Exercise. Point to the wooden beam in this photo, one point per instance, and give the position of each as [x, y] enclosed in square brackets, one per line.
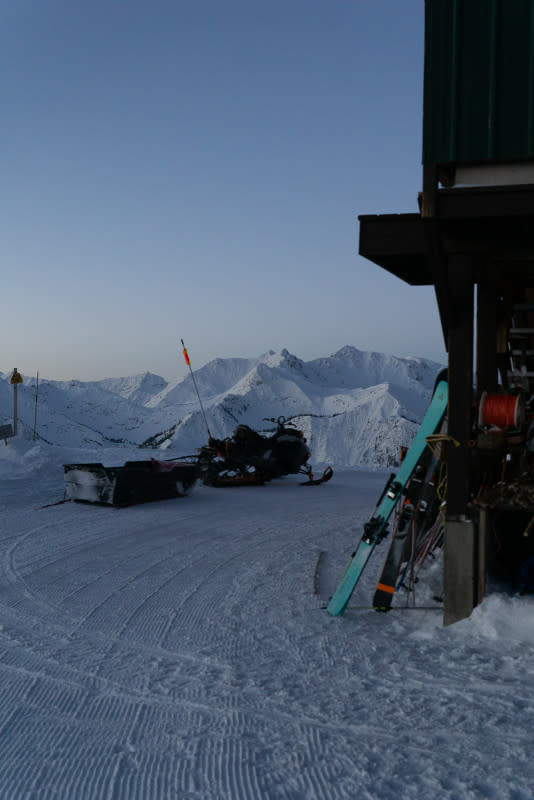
[437, 261]
[391, 235]
[460, 382]
[485, 201]
[430, 191]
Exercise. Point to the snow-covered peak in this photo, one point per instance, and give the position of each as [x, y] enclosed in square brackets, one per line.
[139, 388]
[282, 359]
[213, 379]
[359, 369]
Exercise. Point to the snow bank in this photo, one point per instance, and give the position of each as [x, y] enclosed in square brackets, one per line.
[502, 618]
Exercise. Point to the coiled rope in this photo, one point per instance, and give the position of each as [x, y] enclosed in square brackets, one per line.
[500, 411]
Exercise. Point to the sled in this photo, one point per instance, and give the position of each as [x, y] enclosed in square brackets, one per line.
[135, 482]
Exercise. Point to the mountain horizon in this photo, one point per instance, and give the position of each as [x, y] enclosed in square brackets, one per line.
[355, 408]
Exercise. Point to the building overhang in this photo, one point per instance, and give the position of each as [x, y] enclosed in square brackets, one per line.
[495, 225]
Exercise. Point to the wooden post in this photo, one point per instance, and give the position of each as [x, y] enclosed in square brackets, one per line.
[460, 576]
[437, 260]
[16, 378]
[481, 554]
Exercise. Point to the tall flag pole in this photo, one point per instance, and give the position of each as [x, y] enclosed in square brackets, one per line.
[188, 362]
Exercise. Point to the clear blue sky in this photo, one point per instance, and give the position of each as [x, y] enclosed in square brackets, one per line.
[196, 169]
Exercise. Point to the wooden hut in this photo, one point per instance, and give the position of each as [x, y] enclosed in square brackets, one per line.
[472, 238]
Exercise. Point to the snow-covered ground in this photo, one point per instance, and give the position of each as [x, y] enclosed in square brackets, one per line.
[180, 650]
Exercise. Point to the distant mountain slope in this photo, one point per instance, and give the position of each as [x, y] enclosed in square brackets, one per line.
[355, 408]
[213, 380]
[140, 389]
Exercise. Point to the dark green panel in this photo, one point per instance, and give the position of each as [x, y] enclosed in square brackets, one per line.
[515, 73]
[479, 81]
[474, 81]
[437, 95]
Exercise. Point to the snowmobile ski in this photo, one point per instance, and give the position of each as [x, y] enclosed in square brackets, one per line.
[327, 474]
[376, 528]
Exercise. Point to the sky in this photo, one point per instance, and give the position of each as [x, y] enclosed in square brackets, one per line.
[196, 170]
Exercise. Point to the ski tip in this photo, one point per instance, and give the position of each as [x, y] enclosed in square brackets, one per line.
[334, 609]
[327, 474]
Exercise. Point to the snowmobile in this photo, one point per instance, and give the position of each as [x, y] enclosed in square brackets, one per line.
[248, 457]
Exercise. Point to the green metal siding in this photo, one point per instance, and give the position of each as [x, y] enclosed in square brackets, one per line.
[479, 81]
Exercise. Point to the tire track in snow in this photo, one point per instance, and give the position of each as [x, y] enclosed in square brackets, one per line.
[208, 594]
[209, 731]
[90, 549]
[100, 545]
[210, 757]
[132, 581]
[139, 624]
[209, 578]
[15, 590]
[213, 739]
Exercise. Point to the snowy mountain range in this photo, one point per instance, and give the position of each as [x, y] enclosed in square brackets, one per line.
[355, 408]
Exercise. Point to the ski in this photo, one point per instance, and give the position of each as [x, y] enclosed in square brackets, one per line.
[385, 587]
[417, 515]
[376, 527]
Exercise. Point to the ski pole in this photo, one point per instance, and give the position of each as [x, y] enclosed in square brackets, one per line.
[35, 413]
[188, 362]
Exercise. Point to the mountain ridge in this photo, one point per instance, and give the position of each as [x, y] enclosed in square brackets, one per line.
[355, 408]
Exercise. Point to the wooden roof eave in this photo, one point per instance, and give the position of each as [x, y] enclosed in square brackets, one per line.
[396, 242]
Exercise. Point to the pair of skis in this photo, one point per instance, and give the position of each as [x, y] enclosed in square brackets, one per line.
[376, 528]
